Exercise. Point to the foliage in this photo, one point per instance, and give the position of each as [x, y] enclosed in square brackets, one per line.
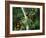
[32, 21]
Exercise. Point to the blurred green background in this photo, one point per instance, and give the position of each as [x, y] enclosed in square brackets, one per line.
[31, 22]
